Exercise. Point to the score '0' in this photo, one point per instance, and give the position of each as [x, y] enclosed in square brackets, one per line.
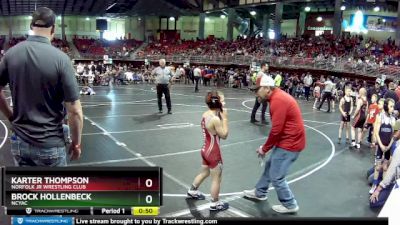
[149, 183]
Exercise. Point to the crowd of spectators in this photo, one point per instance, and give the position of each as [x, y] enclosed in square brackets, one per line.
[56, 42]
[15, 40]
[209, 46]
[2, 40]
[94, 74]
[96, 48]
[349, 53]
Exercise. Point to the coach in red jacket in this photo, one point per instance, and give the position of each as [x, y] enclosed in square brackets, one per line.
[286, 140]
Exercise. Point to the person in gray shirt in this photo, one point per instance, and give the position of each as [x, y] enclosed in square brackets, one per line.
[41, 80]
[163, 79]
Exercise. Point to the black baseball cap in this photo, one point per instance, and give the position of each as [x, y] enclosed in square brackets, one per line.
[43, 17]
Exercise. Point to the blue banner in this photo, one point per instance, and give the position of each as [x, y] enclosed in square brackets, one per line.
[23, 220]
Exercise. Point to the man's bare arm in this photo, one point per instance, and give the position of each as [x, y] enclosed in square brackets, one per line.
[4, 107]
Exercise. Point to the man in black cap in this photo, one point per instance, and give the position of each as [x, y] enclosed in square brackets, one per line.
[42, 80]
[376, 89]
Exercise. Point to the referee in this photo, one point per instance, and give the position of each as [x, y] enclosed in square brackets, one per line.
[163, 79]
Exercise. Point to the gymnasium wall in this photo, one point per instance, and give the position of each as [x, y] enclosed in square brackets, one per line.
[74, 25]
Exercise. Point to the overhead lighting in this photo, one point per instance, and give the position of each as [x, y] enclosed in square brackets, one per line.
[319, 19]
[384, 20]
[253, 13]
[223, 16]
[109, 7]
[172, 18]
[307, 9]
[376, 9]
[343, 8]
[271, 34]
[87, 18]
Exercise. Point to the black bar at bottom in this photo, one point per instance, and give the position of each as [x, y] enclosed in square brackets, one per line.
[48, 211]
[229, 221]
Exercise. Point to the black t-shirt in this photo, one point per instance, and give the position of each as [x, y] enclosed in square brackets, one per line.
[391, 94]
[99, 68]
[41, 78]
[295, 81]
[397, 106]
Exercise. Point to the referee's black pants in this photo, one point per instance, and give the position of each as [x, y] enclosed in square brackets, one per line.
[327, 96]
[196, 88]
[307, 92]
[163, 89]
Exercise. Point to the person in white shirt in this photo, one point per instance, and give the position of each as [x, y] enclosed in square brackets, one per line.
[327, 94]
[307, 84]
[197, 76]
[258, 102]
[163, 79]
[79, 69]
[91, 79]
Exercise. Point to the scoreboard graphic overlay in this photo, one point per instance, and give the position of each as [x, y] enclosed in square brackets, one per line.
[82, 191]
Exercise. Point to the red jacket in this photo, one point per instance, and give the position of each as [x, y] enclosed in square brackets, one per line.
[287, 130]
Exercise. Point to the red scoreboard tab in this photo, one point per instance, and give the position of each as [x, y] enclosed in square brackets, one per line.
[149, 183]
[82, 186]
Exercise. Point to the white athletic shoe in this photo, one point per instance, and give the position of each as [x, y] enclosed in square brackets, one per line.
[372, 190]
[219, 206]
[195, 194]
[252, 194]
[283, 209]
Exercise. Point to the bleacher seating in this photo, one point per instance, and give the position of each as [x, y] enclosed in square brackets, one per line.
[92, 48]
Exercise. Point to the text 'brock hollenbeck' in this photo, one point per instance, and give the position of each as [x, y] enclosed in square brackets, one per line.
[51, 196]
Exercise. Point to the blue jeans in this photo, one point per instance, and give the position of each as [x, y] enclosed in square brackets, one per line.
[255, 108]
[275, 172]
[383, 196]
[26, 154]
[67, 135]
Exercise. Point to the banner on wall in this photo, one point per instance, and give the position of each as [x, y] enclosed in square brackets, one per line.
[381, 23]
[359, 22]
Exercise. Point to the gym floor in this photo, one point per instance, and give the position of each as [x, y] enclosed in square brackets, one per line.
[122, 127]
